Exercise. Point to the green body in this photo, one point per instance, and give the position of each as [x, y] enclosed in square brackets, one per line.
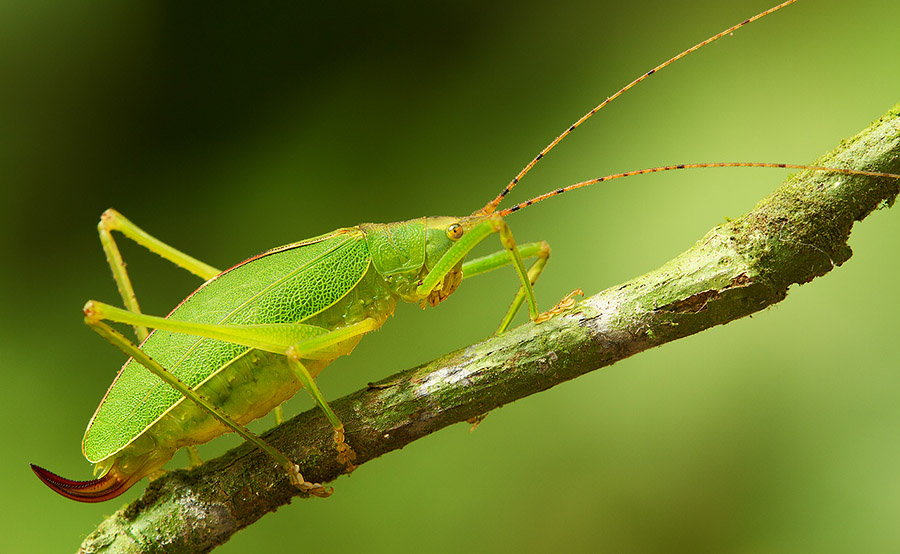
[329, 282]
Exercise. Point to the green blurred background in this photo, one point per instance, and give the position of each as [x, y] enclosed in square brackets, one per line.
[227, 129]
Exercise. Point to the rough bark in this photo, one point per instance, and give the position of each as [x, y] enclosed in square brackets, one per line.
[798, 233]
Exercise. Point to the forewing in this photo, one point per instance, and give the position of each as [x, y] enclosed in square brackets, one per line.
[285, 285]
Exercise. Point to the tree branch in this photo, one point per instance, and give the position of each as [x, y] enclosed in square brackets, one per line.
[798, 233]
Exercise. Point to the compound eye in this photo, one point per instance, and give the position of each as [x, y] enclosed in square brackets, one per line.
[454, 231]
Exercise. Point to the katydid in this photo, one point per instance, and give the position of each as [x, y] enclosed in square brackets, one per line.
[250, 337]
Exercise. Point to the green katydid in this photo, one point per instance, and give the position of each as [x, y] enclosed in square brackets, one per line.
[252, 336]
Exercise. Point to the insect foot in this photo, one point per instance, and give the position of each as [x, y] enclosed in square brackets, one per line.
[346, 454]
[476, 421]
[315, 489]
[563, 305]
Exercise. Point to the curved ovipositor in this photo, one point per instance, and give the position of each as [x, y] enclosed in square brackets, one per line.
[109, 486]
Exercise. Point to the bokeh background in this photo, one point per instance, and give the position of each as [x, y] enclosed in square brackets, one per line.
[227, 128]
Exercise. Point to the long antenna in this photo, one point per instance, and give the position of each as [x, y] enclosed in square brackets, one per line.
[492, 205]
[559, 191]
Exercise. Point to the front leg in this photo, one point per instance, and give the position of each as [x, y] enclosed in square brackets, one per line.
[540, 250]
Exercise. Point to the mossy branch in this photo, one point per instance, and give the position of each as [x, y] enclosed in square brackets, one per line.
[798, 233]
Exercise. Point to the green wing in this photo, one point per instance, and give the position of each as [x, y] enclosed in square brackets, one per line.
[285, 285]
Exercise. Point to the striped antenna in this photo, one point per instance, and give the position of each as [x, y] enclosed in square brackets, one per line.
[492, 205]
[559, 191]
